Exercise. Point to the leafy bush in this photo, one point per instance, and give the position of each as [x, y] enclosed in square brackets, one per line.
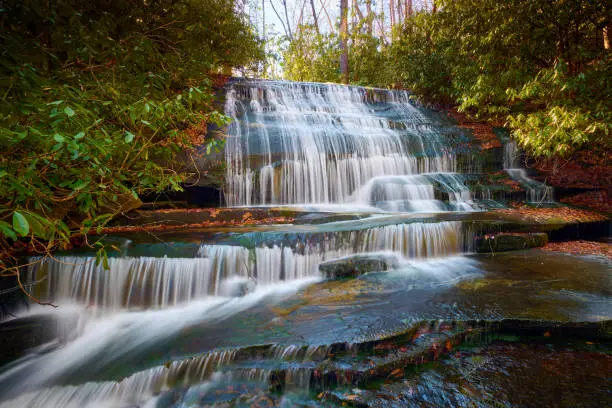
[312, 57]
[98, 97]
[315, 57]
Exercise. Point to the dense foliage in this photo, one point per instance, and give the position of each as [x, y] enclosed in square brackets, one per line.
[314, 57]
[538, 65]
[97, 98]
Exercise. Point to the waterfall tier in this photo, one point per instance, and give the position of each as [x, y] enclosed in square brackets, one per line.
[536, 192]
[227, 269]
[299, 143]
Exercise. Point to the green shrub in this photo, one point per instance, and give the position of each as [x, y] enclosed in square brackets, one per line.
[98, 97]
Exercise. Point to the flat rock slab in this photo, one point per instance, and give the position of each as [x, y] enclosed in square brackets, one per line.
[510, 241]
[353, 266]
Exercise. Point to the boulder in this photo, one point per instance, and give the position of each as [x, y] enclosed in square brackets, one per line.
[237, 287]
[22, 335]
[356, 265]
[510, 241]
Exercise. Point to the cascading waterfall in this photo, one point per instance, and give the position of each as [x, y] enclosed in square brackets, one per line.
[287, 144]
[536, 192]
[142, 281]
[415, 193]
[215, 366]
[162, 282]
[312, 143]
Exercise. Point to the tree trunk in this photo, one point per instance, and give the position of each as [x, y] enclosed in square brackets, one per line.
[263, 32]
[287, 18]
[392, 14]
[369, 15]
[344, 65]
[314, 16]
[434, 7]
[329, 21]
[399, 11]
[606, 37]
[287, 31]
[408, 5]
[357, 12]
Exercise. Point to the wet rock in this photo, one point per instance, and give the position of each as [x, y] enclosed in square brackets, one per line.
[353, 266]
[351, 399]
[237, 287]
[510, 241]
[22, 335]
[323, 218]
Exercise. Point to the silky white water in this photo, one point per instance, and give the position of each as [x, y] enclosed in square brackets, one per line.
[309, 145]
[109, 340]
[536, 192]
[305, 143]
[136, 282]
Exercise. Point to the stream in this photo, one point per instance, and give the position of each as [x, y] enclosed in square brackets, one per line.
[376, 299]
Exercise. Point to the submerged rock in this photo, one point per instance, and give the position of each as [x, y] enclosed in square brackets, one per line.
[237, 287]
[510, 241]
[26, 334]
[353, 266]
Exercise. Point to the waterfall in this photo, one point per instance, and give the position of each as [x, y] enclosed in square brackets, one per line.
[416, 193]
[306, 143]
[141, 281]
[536, 192]
[512, 159]
[133, 282]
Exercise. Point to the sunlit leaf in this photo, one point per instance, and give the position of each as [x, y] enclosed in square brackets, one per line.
[20, 224]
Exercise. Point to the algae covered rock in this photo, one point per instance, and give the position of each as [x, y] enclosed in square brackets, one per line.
[510, 241]
[353, 266]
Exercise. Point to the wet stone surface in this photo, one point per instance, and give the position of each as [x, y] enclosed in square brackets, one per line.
[231, 307]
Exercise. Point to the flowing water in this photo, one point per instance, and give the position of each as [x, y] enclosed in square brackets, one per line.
[536, 192]
[296, 143]
[248, 317]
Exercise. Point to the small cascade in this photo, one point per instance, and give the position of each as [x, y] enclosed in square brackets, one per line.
[416, 193]
[225, 366]
[226, 270]
[142, 281]
[536, 192]
[301, 143]
[134, 389]
[512, 155]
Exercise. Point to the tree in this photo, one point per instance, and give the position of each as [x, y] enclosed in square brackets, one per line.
[314, 16]
[344, 59]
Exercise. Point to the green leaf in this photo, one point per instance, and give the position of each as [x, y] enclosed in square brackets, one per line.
[59, 138]
[63, 228]
[129, 136]
[20, 224]
[105, 264]
[68, 111]
[80, 184]
[6, 229]
[79, 135]
[39, 226]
